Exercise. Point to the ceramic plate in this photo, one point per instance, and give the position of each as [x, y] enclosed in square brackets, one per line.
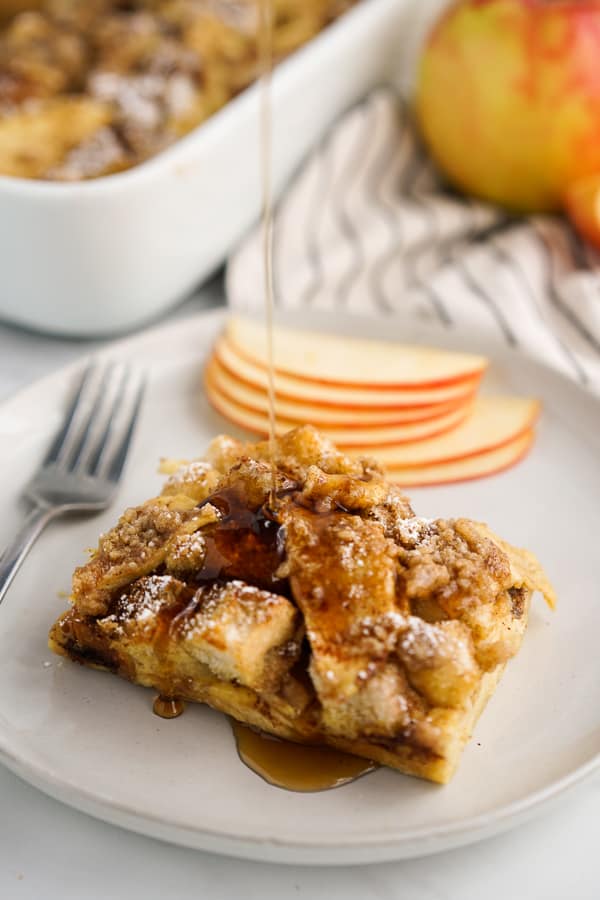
[91, 740]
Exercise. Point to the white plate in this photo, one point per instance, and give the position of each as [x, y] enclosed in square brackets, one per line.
[90, 739]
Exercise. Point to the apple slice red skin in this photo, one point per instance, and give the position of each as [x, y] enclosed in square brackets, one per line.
[384, 451]
[527, 425]
[214, 369]
[245, 353]
[466, 389]
[523, 445]
[419, 474]
[215, 399]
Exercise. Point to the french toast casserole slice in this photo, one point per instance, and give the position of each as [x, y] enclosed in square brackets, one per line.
[333, 615]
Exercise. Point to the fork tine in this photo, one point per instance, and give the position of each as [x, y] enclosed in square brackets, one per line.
[85, 434]
[98, 454]
[120, 453]
[63, 434]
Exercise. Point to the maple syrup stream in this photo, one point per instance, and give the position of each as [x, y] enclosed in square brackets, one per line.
[265, 50]
[295, 767]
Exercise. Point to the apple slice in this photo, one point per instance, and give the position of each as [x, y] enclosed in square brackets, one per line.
[367, 437]
[355, 362]
[582, 202]
[489, 463]
[338, 396]
[494, 422]
[297, 412]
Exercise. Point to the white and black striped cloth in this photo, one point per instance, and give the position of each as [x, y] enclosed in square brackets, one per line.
[367, 226]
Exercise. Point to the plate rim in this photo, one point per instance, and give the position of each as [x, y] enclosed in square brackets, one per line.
[395, 846]
[360, 847]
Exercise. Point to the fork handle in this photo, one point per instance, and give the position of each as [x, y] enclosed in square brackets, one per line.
[16, 551]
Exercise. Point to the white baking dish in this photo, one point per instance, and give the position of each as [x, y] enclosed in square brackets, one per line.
[106, 255]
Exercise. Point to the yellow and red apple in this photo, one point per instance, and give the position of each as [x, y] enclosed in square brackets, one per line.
[508, 98]
[582, 203]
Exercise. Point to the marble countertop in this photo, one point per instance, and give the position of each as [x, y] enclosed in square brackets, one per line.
[48, 851]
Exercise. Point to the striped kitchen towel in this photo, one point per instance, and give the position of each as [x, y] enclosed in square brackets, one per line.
[367, 226]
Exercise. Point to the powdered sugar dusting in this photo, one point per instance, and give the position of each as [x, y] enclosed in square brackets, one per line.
[232, 608]
[414, 530]
[192, 471]
[139, 98]
[185, 553]
[98, 154]
[142, 604]
[429, 643]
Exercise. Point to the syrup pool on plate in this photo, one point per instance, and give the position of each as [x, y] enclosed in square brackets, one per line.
[297, 767]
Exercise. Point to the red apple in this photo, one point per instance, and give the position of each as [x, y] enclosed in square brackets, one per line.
[508, 98]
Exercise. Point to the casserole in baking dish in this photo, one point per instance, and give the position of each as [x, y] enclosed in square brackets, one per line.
[104, 255]
[91, 89]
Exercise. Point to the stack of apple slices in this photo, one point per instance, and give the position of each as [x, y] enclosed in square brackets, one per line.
[415, 409]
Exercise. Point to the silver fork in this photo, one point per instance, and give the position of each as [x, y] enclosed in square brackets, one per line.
[84, 463]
